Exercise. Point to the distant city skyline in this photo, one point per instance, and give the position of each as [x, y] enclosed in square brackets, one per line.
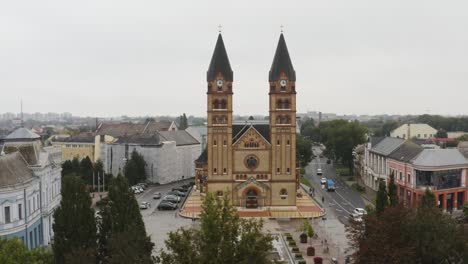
[113, 58]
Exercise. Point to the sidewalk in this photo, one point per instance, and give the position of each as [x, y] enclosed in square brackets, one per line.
[306, 208]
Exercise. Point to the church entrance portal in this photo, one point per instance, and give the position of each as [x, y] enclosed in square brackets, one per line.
[251, 199]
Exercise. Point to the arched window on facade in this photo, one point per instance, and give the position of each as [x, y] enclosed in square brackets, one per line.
[278, 120]
[286, 104]
[223, 104]
[216, 104]
[279, 104]
[223, 120]
[286, 120]
[283, 193]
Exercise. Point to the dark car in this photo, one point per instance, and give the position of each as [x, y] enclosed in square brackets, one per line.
[164, 205]
[328, 161]
[178, 193]
[180, 189]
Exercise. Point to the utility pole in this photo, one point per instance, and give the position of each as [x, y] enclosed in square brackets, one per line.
[94, 186]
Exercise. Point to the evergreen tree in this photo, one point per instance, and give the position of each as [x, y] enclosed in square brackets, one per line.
[134, 169]
[223, 238]
[428, 200]
[392, 191]
[74, 225]
[122, 234]
[67, 168]
[382, 198]
[76, 168]
[183, 122]
[86, 170]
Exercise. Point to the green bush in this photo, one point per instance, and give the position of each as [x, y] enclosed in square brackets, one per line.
[358, 187]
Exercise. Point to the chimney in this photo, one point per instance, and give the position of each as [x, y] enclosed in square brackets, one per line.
[409, 131]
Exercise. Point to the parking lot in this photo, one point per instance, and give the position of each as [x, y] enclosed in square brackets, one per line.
[160, 223]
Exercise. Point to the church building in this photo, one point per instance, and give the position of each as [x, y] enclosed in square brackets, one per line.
[254, 160]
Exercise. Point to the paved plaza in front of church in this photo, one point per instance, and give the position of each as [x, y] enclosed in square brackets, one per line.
[306, 208]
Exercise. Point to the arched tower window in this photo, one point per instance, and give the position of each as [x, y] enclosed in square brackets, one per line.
[223, 104]
[286, 120]
[279, 104]
[216, 104]
[278, 120]
[286, 104]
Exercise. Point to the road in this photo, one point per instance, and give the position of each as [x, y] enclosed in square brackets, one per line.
[159, 223]
[344, 199]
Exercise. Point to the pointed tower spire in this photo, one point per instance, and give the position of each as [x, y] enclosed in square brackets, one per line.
[282, 62]
[219, 62]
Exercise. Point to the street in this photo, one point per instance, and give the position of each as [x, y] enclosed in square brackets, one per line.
[344, 199]
[159, 223]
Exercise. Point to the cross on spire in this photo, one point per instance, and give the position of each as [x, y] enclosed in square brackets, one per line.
[220, 28]
[281, 28]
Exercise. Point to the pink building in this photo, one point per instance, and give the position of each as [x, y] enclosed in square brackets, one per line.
[443, 171]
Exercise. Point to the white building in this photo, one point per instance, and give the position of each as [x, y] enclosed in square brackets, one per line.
[408, 131]
[30, 183]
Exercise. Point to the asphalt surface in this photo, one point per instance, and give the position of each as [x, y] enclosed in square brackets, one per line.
[344, 199]
[159, 223]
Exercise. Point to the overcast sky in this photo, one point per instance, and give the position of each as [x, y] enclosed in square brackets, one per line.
[109, 58]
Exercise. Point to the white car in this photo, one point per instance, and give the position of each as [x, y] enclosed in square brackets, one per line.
[319, 171]
[323, 181]
[145, 205]
[355, 217]
[360, 211]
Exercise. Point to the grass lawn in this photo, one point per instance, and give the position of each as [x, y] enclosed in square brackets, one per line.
[305, 181]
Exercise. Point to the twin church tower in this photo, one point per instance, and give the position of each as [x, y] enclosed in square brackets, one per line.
[255, 160]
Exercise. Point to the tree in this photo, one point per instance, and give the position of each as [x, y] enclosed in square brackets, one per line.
[222, 238]
[122, 233]
[75, 165]
[86, 170]
[14, 251]
[183, 123]
[303, 150]
[67, 167]
[392, 191]
[74, 225]
[306, 228]
[382, 198]
[340, 137]
[428, 200]
[441, 134]
[465, 210]
[134, 169]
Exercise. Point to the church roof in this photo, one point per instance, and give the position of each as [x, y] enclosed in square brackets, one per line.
[219, 62]
[282, 62]
[21, 134]
[239, 130]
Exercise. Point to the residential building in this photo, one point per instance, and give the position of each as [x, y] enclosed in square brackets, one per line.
[254, 160]
[169, 154]
[79, 146]
[409, 131]
[199, 133]
[376, 154]
[30, 183]
[442, 171]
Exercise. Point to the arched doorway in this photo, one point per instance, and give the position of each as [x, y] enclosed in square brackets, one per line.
[251, 198]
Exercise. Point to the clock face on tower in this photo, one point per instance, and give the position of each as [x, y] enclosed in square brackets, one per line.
[219, 83]
[283, 83]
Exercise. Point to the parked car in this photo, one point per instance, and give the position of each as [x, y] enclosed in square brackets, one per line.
[177, 193]
[136, 190]
[145, 205]
[165, 205]
[142, 185]
[186, 186]
[180, 189]
[157, 195]
[355, 217]
[171, 198]
[360, 211]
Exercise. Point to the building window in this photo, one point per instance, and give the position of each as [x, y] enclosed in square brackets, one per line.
[216, 104]
[283, 88]
[279, 104]
[223, 104]
[287, 142]
[278, 170]
[286, 104]
[224, 142]
[283, 194]
[214, 143]
[401, 176]
[419, 135]
[251, 162]
[287, 170]
[278, 120]
[30, 240]
[7, 214]
[278, 142]
[214, 170]
[219, 193]
[409, 177]
[20, 211]
[224, 170]
[425, 135]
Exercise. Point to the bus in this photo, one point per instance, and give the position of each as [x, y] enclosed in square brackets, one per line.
[330, 185]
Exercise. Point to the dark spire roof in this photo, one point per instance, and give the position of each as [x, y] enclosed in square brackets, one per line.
[282, 62]
[219, 62]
